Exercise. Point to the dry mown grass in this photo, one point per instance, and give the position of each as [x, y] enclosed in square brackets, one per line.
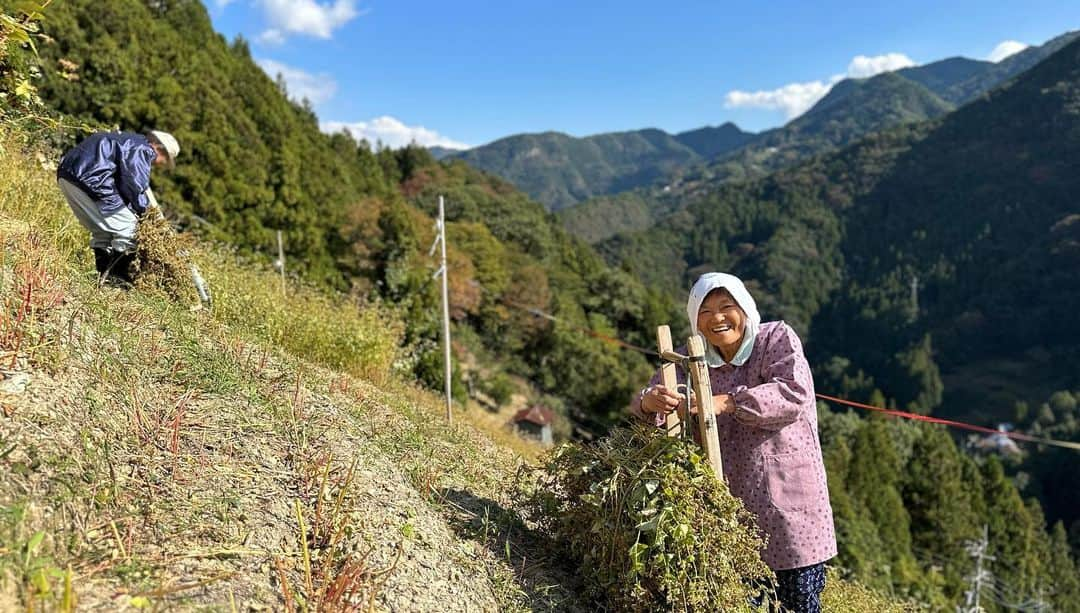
[163, 258]
[165, 461]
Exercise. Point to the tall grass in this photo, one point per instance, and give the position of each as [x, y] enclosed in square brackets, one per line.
[29, 197]
[340, 333]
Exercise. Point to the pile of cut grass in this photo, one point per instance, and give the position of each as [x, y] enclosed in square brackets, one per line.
[652, 526]
[652, 529]
[162, 259]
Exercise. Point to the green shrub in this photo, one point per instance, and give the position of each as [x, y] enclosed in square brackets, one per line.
[18, 59]
[431, 371]
[651, 526]
[500, 388]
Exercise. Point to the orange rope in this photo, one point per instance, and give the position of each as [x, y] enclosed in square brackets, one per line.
[955, 424]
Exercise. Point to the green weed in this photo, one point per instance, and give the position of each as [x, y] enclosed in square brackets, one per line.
[23, 560]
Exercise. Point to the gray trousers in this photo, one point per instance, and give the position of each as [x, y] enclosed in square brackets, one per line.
[113, 231]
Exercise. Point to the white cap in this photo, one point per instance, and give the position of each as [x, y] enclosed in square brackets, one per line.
[168, 142]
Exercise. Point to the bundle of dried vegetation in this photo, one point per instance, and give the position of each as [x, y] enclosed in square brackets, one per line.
[162, 259]
[650, 524]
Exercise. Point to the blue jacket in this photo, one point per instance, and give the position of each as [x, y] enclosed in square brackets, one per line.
[113, 168]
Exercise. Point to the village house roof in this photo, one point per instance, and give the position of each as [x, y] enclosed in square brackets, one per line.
[535, 414]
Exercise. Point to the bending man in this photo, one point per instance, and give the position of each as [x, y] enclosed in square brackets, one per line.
[105, 179]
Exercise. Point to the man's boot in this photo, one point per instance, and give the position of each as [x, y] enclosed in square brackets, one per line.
[115, 268]
[102, 259]
[121, 268]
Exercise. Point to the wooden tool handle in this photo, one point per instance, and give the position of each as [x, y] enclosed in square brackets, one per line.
[699, 377]
[668, 378]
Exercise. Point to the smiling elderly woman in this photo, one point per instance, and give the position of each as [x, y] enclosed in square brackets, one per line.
[767, 423]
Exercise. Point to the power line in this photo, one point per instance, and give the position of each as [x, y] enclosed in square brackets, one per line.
[1075, 446]
[955, 424]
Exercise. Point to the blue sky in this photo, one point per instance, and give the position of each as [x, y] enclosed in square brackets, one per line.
[466, 73]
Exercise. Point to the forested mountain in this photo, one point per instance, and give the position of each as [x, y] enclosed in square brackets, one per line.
[942, 76]
[560, 170]
[354, 219]
[935, 265]
[977, 206]
[851, 109]
[441, 152]
[711, 141]
[960, 80]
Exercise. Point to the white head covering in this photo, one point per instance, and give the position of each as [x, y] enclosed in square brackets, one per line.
[169, 144]
[715, 280]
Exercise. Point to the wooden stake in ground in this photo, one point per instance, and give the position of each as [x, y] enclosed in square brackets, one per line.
[669, 379]
[280, 263]
[699, 378]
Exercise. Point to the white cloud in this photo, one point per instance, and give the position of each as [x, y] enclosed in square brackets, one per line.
[299, 83]
[307, 17]
[1004, 49]
[392, 132]
[862, 66]
[270, 37]
[794, 99]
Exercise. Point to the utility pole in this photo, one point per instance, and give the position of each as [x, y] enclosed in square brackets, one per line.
[981, 576]
[440, 240]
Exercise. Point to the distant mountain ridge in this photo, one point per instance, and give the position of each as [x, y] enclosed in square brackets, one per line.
[960, 80]
[560, 170]
[639, 175]
[439, 153]
[852, 109]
